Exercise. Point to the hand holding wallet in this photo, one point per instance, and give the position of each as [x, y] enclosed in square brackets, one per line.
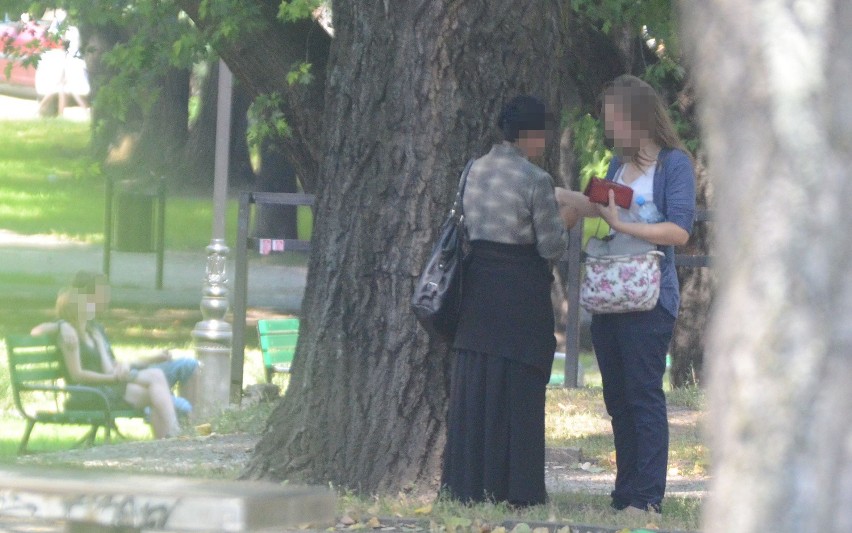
[598, 192]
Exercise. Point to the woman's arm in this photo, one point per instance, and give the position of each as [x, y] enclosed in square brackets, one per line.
[576, 201]
[69, 343]
[663, 233]
[45, 328]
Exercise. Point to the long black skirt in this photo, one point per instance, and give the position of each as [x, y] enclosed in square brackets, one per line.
[495, 435]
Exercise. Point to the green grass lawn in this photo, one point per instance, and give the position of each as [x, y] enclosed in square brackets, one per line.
[49, 185]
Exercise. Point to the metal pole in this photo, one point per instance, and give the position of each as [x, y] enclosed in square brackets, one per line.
[240, 298]
[212, 336]
[108, 225]
[572, 330]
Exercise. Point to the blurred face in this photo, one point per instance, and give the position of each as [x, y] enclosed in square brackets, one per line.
[84, 304]
[619, 127]
[532, 142]
[101, 296]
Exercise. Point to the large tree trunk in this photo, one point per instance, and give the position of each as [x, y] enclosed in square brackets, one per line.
[697, 287]
[413, 91]
[777, 114]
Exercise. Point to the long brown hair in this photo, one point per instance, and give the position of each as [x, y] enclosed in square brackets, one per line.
[647, 111]
[68, 305]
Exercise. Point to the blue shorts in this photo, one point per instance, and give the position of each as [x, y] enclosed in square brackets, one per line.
[177, 370]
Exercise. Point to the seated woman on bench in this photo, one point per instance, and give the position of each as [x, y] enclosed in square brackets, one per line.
[88, 362]
[180, 371]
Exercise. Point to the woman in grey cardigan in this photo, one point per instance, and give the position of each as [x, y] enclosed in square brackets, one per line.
[503, 349]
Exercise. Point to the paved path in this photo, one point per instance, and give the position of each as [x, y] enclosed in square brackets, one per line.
[34, 267]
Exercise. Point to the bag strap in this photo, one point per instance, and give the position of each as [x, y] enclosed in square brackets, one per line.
[458, 204]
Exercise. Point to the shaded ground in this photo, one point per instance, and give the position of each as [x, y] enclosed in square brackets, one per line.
[225, 455]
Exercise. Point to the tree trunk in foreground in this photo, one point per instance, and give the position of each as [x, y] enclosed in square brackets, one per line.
[412, 91]
[777, 114]
[697, 287]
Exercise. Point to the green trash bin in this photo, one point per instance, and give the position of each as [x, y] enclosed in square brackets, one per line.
[134, 222]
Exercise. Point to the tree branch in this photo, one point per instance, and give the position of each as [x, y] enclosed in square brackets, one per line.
[261, 60]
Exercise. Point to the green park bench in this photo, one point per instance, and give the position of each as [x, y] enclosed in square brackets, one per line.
[94, 501]
[277, 338]
[40, 391]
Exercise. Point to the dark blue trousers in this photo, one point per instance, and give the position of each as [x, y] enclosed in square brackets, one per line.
[631, 351]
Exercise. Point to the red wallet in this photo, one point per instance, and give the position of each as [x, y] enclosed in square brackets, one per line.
[598, 191]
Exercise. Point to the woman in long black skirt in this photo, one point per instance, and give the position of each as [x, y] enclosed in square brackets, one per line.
[503, 350]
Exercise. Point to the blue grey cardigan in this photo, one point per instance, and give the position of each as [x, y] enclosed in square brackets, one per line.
[674, 196]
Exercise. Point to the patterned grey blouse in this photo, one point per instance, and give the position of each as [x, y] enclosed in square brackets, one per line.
[509, 200]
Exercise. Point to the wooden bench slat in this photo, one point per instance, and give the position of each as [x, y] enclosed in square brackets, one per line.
[280, 342]
[37, 374]
[266, 326]
[41, 342]
[31, 356]
[278, 339]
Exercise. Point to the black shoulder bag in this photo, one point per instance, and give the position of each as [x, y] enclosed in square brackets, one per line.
[437, 295]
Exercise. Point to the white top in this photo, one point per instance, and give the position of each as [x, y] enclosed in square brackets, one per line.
[642, 186]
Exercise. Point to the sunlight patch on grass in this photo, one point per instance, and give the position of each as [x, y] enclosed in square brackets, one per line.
[50, 186]
[54, 437]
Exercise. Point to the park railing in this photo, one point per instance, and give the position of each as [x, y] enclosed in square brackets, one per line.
[569, 266]
[264, 246]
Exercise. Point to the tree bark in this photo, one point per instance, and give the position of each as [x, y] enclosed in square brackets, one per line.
[776, 112]
[697, 288]
[413, 91]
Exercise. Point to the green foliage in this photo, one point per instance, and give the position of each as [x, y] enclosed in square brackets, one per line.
[266, 119]
[649, 18]
[293, 10]
[230, 19]
[301, 73]
[593, 159]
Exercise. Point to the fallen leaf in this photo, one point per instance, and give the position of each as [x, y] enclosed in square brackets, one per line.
[374, 523]
[541, 530]
[426, 509]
